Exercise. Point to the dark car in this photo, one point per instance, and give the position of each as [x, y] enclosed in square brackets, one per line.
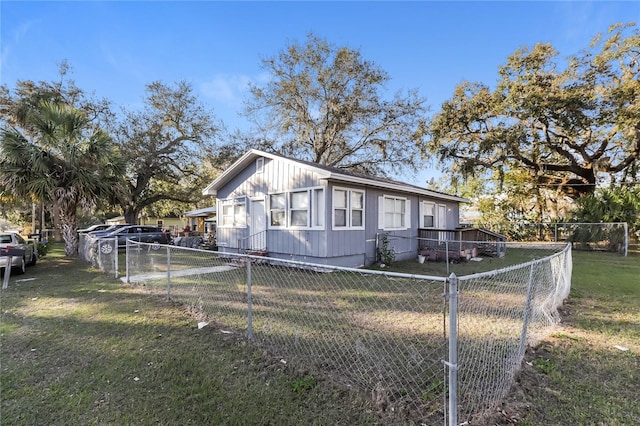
[98, 227]
[140, 233]
[108, 230]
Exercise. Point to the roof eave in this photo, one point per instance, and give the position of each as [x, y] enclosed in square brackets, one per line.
[397, 187]
[246, 158]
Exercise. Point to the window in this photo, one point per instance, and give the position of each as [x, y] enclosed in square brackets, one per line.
[234, 212]
[317, 211]
[277, 209]
[395, 213]
[299, 211]
[433, 215]
[260, 165]
[339, 208]
[348, 208]
[427, 215]
[302, 208]
[357, 208]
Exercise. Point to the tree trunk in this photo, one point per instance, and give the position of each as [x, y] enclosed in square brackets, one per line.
[55, 216]
[69, 228]
[131, 216]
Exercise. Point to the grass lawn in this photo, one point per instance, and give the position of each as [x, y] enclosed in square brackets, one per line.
[79, 347]
[588, 371]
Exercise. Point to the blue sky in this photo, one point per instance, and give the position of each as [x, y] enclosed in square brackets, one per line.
[116, 47]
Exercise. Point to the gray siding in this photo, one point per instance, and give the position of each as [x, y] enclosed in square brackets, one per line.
[277, 176]
[348, 247]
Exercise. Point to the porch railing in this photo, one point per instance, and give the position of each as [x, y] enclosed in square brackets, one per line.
[483, 240]
[253, 243]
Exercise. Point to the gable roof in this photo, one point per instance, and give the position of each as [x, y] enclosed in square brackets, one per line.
[325, 172]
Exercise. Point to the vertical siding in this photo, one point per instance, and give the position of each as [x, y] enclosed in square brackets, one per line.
[277, 176]
[355, 245]
[453, 214]
[348, 242]
[402, 241]
[298, 242]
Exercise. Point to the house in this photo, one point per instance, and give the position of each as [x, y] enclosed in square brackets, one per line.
[293, 209]
[171, 223]
[202, 221]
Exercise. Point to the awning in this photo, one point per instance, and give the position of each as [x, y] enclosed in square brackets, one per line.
[206, 212]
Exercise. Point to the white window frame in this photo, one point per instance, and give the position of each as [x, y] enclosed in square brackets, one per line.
[260, 165]
[349, 209]
[292, 209]
[438, 211]
[318, 207]
[382, 213]
[425, 208]
[315, 208]
[282, 210]
[238, 205]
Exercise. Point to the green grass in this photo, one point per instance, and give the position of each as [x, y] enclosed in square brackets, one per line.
[578, 375]
[441, 269]
[79, 347]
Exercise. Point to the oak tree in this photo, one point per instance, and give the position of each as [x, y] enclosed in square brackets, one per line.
[326, 104]
[164, 144]
[568, 123]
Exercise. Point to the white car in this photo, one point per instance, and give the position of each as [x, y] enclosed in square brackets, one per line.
[14, 240]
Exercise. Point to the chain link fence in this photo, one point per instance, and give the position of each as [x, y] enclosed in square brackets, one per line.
[604, 236]
[499, 314]
[100, 252]
[385, 334]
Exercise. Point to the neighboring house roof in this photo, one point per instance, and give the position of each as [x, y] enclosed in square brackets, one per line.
[325, 172]
[206, 212]
[114, 220]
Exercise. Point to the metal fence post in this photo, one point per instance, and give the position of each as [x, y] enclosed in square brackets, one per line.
[126, 262]
[168, 272]
[249, 308]
[446, 256]
[453, 350]
[527, 313]
[7, 272]
[115, 251]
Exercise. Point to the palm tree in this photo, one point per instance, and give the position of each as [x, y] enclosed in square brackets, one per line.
[70, 163]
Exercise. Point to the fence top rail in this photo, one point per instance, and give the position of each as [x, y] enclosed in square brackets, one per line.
[346, 269]
[514, 267]
[571, 223]
[316, 266]
[131, 242]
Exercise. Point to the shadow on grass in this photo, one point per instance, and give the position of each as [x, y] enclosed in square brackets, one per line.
[81, 348]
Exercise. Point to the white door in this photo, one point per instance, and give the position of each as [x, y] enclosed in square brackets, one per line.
[442, 221]
[258, 231]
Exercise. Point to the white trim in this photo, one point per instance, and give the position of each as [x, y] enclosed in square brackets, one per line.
[250, 155]
[314, 209]
[233, 201]
[382, 212]
[348, 208]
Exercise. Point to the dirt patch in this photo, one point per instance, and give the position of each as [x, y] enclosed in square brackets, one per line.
[529, 382]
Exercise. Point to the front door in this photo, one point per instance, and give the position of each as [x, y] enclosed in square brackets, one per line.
[442, 221]
[258, 230]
